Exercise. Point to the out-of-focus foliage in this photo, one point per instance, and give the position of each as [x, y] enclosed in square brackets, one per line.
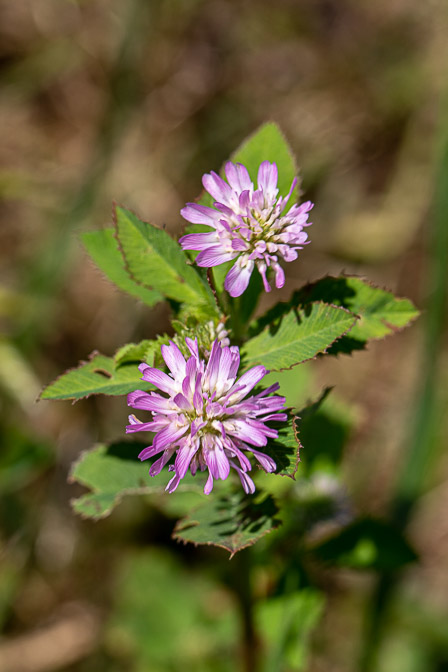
[190, 624]
[286, 623]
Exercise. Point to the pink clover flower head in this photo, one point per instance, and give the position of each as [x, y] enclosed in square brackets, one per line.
[249, 225]
[204, 416]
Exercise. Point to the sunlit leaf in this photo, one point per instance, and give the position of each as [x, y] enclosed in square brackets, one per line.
[380, 312]
[298, 335]
[97, 376]
[145, 351]
[103, 248]
[156, 261]
[232, 522]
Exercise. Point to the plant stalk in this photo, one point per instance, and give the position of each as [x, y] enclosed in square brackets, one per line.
[243, 591]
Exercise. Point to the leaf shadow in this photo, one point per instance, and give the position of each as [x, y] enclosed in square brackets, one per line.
[125, 450]
[331, 290]
[247, 517]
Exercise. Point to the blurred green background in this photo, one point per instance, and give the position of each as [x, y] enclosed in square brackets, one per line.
[134, 101]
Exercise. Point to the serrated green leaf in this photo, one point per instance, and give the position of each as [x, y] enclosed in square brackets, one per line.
[380, 312]
[232, 522]
[97, 376]
[114, 471]
[157, 261]
[102, 247]
[145, 351]
[297, 336]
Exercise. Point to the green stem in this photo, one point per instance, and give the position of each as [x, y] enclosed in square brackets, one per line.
[237, 325]
[243, 591]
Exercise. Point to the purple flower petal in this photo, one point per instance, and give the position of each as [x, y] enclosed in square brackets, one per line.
[218, 463]
[247, 382]
[237, 279]
[246, 481]
[262, 270]
[214, 256]
[192, 345]
[172, 485]
[184, 457]
[158, 465]
[174, 359]
[169, 435]
[238, 177]
[199, 214]
[160, 380]
[266, 462]
[218, 189]
[279, 276]
[182, 402]
[149, 452]
[245, 432]
[209, 485]
[198, 241]
[267, 179]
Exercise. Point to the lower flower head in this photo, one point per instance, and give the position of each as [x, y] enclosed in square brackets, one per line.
[204, 416]
[249, 226]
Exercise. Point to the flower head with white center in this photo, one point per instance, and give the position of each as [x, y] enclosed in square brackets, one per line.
[204, 417]
[249, 225]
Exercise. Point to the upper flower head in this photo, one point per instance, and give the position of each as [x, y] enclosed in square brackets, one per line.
[248, 224]
[203, 417]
